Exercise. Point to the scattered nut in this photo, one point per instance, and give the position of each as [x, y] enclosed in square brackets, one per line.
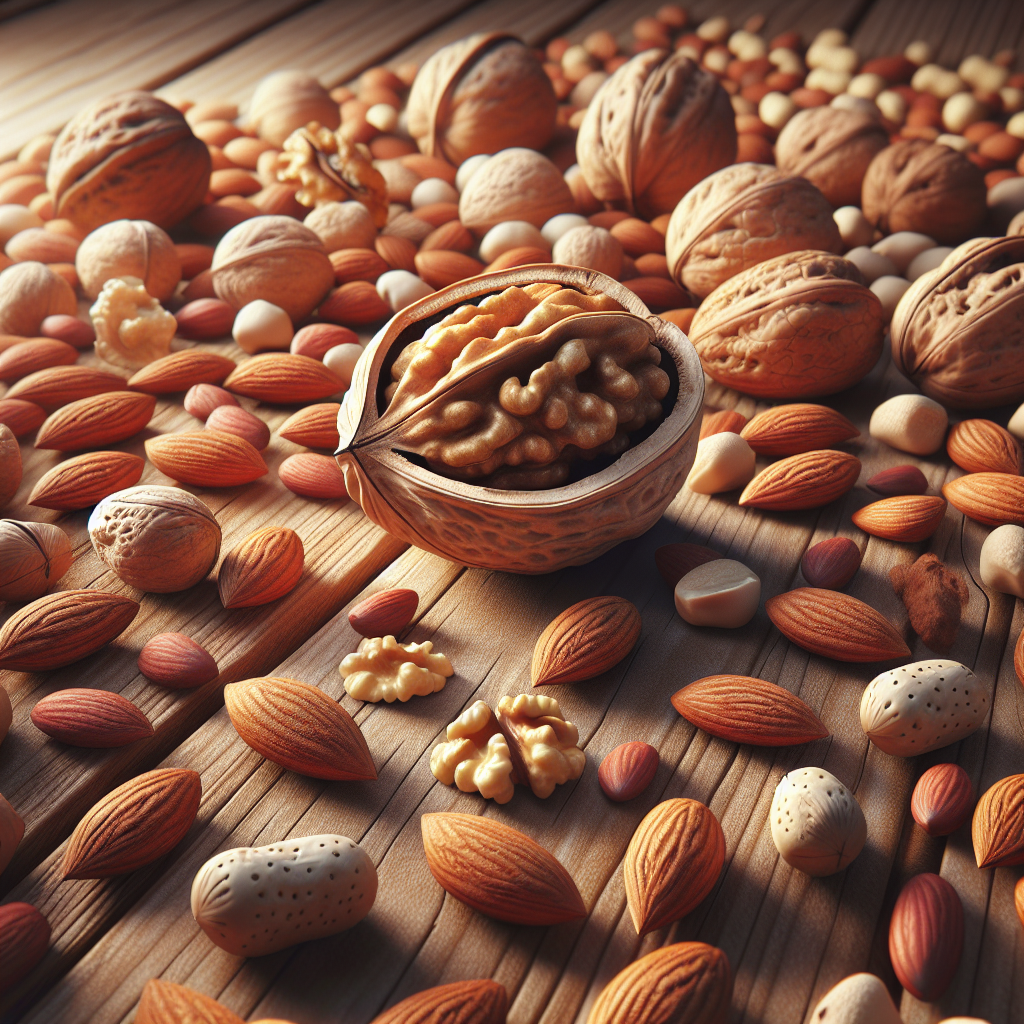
[347, 225]
[1002, 560]
[383, 669]
[476, 756]
[722, 592]
[542, 744]
[29, 293]
[723, 462]
[910, 423]
[511, 234]
[401, 288]
[260, 326]
[889, 289]
[934, 596]
[286, 100]
[590, 247]
[33, 557]
[342, 360]
[129, 248]
[854, 228]
[132, 328]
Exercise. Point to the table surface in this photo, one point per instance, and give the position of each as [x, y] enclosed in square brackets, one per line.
[788, 937]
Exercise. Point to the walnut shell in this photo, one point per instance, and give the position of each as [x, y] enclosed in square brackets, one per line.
[29, 293]
[286, 100]
[129, 248]
[273, 258]
[481, 94]
[127, 156]
[33, 557]
[656, 128]
[832, 149]
[740, 216]
[798, 325]
[958, 331]
[520, 531]
[923, 186]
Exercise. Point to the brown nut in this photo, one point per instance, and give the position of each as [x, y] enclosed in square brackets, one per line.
[286, 100]
[129, 155]
[33, 557]
[129, 248]
[29, 293]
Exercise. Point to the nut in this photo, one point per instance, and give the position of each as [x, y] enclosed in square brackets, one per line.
[383, 669]
[96, 421]
[543, 746]
[286, 100]
[1002, 560]
[83, 480]
[831, 564]
[997, 829]
[628, 770]
[164, 1002]
[12, 829]
[943, 799]
[180, 371]
[591, 247]
[24, 940]
[901, 248]
[10, 464]
[205, 319]
[260, 326]
[808, 480]
[990, 498]
[910, 423]
[724, 461]
[313, 476]
[476, 756]
[177, 661]
[347, 225]
[722, 592]
[515, 234]
[230, 419]
[33, 557]
[674, 561]
[29, 293]
[316, 426]
[898, 480]
[201, 399]
[284, 378]
[132, 328]
[472, 1002]
[795, 428]
[206, 458]
[90, 718]
[905, 518]
[926, 936]
[129, 248]
[853, 226]
[980, 446]
[266, 565]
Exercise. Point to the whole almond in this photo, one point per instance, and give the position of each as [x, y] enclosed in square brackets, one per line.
[134, 825]
[284, 379]
[657, 292]
[69, 329]
[672, 863]
[385, 613]
[687, 982]
[397, 253]
[998, 825]
[926, 936]
[96, 421]
[498, 870]
[58, 629]
[980, 446]
[797, 428]
[61, 385]
[637, 237]
[90, 718]
[354, 305]
[588, 638]
[180, 371]
[42, 246]
[520, 256]
[461, 1002]
[20, 417]
[743, 709]
[451, 235]
[83, 480]
[674, 561]
[908, 518]
[205, 319]
[299, 727]
[809, 480]
[990, 498]
[316, 426]
[177, 661]
[357, 265]
[831, 564]
[206, 458]
[440, 267]
[202, 399]
[942, 799]
[195, 258]
[313, 476]
[34, 354]
[24, 939]
[10, 465]
[722, 421]
[232, 419]
[898, 480]
[835, 625]
[164, 1002]
[628, 770]
[266, 565]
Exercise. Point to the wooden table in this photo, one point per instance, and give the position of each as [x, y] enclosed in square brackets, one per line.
[787, 936]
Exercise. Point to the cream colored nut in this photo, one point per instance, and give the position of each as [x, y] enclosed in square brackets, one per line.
[591, 247]
[787, 61]
[468, 168]
[817, 824]
[714, 30]
[889, 289]
[342, 225]
[834, 82]
[775, 109]
[543, 745]
[132, 328]
[854, 228]
[266, 166]
[401, 288]
[1016, 424]
[558, 225]
[910, 423]
[1012, 99]
[129, 248]
[586, 88]
[892, 105]
[843, 59]
[577, 62]
[902, 246]
[855, 104]
[433, 190]
[1005, 200]
[959, 112]
[475, 756]
[927, 260]
[510, 234]
[831, 37]
[982, 74]
[342, 360]
[867, 86]
[871, 264]
[1015, 126]
[723, 462]
[1002, 560]
[945, 84]
[744, 45]
[926, 76]
[957, 142]
[723, 593]
[14, 218]
[858, 999]
[919, 52]
[383, 669]
[382, 116]
[260, 326]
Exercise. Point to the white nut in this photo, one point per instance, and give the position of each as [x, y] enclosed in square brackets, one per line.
[719, 593]
[382, 116]
[858, 999]
[1012, 99]
[714, 30]
[902, 247]
[927, 260]
[919, 52]
[1015, 126]
[957, 142]
[775, 109]
[510, 234]
[342, 360]
[260, 326]
[744, 45]
[401, 288]
[723, 462]
[1002, 560]
[871, 264]
[14, 218]
[586, 88]
[841, 59]
[468, 168]
[1016, 424]
[591, 247]
[892, 105]
[741, 106]
[433, 190]
[867, 85]
[855, 104]
[382, 669]
[980, 73]
[834, 82]
[854, 228]
[961, 111]
[831, 37]
[889, 289]
[787, 61]
[558, 225]
[132, 328]
[910, 423]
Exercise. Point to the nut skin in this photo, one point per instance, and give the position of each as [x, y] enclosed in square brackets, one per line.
[943, 799]
[628, 770]
[460, 1002]
[795, 428]
[997, 828]
[29, 293]
[24, 939]
[286, 100]
[898, 480]
[33, 557]
[266, 565]
[10, 464]
[176, 661]
[386, 613]
[980, 446]
[990, 498]
[831, 564]
[164, 1002]
[90, 718]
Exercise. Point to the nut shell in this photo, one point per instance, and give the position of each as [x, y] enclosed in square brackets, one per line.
[129, 248]
[286, 100]
[29, 293]
[33, 557]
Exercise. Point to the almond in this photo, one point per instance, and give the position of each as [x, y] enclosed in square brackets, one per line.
[453, 235]
[134, 825]
[722, 421]
[685, 981]
[19, 416]
[437, 214]
[10, 465]
[300, 728]
[205, 320]
[831, 564]
[585, 640]
[742, 709]
[657, 293]
[201, 400]
[316, 340]
[83, 480]
[835, 626]
[385, 613]
[926, 936]
[164, 1002]
[91, 718]
[808, 480]
[909, 518]
[181, 370]
[24, 939]
[397, 253]
[498, 870]
[1018, 899]
[520, 256]
[899, 480]
[628, 770]
[34, 354]
[637, 237]
[674, 561]
[980, 446]
[989, 498]
[316, 426]
[69, 329]
[57, 629]
[440, 267]
[61, 385]
[41, 246]
[797, 428]
[942, 800]
[267, 565]
[461, 1002]
[357, 265]
[313, 476]
[355, 304]
[96, 421]
[998, 825]
[177, 661]
[206, 458]
[194, 258]
[672, 863]
[284, 379]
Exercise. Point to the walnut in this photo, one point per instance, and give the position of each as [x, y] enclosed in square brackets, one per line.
[29, 293]
[739, 217]
[797, 325]
[132, 328]
[129, 248]
[922, 186]
[957, 331]
[329, 169]
[286, 100]
[658, 126]
[383, 669]
[543, 745]
[476, 756]
[831, 148]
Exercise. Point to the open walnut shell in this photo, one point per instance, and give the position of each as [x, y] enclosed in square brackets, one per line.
[529, 531]
[957, 331]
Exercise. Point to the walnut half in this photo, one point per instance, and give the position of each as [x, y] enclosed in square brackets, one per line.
[476, 756]
[382, 669]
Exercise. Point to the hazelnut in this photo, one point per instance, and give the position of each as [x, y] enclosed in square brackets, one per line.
[342, 225]
[260, 326]
[910, 423]
[29, 293]
[129, 248]
[510, 234]
[926, 260]
[401, 288]
[515, 184]
[723, 462]
[871, 264]
[591, 247]
[286, 100]
[433, 190]
[132, 328]
[854, 228]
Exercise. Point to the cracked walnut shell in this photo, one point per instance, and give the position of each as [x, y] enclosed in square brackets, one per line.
[382, 669]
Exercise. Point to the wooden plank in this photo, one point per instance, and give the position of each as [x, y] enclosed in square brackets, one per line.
[12, 8]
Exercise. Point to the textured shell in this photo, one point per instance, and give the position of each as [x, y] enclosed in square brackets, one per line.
[808, 480]
[265, 566]
[990, 498]
[538, 531]
[460, 1002]
[956, 332]
[943, 799]
[33, 557]
[739, 217]
[981, 446]
[30, 292]
[998, 826]
[798, 325]
[658, 126]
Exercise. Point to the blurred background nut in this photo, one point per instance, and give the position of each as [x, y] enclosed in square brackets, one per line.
[347, 225]
[658, 126]
[590, 247]
[33, 557]
[260, 326]
[1002, 560]
[15, 218]
[10, 464]
[129, 248]
[29, 293]
[129, 155]
[132, 328]
[511, 234]
[481, 94]
[286, 100]
[854, 228]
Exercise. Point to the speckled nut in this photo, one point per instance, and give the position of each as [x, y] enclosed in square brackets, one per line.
[591, 247]
[132, 328]
[910, 423]
[722, 592]
[383, 669]
[29, 293]
[129, 248]
[127, 156]
[1002, 560]
[724, 462]
[286, 100]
